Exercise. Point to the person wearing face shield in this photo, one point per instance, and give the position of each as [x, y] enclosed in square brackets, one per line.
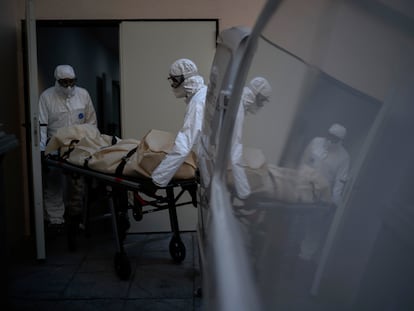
[185, 83]
[62, 105]
[328, 156]
[255, 95]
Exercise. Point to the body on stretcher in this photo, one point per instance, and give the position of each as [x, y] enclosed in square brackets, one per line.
[126, 174]
[283, 184]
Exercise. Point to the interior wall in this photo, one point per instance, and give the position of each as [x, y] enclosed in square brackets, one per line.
[323, 35]
[229, 12]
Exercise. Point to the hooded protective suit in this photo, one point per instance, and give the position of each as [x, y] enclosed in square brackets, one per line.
[194, 90]
[254, 96]
[62, 106]
[329, 157]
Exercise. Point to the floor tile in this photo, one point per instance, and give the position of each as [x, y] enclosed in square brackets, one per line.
[86, 279]
[162, 279]
[97, 285]
[159, 305]
[45, 281]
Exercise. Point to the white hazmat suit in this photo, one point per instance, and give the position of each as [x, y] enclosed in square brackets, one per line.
[185, 83]
[254, 96]
[329, 157]
[61, 105]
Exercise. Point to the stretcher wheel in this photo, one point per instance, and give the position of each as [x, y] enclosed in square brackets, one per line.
[122, 265]
[177, 249]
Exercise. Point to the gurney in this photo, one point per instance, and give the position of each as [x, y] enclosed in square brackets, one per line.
[147, 198]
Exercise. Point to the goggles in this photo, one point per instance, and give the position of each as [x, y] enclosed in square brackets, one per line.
[176, 81]
[333, 139]
[67, 82]
[261, 100]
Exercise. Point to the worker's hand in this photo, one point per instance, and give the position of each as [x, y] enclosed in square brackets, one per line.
[155, 183]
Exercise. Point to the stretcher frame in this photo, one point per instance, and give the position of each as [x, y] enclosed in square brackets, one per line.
[114, 185]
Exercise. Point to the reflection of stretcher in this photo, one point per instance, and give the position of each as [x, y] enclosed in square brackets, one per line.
[116, 189]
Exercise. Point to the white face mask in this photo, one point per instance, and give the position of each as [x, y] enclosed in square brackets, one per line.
[332, 145]
[179, 92]
[66, 91]
[248, 101]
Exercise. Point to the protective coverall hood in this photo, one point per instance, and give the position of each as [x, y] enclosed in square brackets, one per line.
[183, 66]
[64, 72]
[256, 94]
[186, 70]
[192, 85]
[337, 130]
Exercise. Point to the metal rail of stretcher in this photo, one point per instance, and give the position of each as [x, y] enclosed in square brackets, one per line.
[144, 185]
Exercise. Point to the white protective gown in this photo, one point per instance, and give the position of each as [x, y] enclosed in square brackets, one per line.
[187, 138]
[58, 110]
[331, 160]
[61, 108]
[238, 165]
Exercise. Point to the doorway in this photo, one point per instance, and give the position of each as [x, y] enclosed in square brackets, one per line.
[92, 49]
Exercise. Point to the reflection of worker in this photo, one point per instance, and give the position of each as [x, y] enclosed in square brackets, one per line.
[62, 105]
[329, 157]
[185, 83]
[254, 96]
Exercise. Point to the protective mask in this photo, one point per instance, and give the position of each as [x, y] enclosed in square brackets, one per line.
[248, 101]
[66, 91]
[179, 92]
[332, 145]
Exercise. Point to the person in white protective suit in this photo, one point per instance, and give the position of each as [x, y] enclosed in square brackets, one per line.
[62, 105]
[188, 84]
[328, 156]
[255, 95]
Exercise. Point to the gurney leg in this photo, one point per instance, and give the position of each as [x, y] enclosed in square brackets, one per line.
[177, 247]
[121, 261]
[85, 211]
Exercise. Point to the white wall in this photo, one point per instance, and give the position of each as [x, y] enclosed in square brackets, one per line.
[348, 40]
[229, 12]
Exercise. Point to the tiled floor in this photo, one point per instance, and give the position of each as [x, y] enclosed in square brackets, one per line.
[86, 279]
